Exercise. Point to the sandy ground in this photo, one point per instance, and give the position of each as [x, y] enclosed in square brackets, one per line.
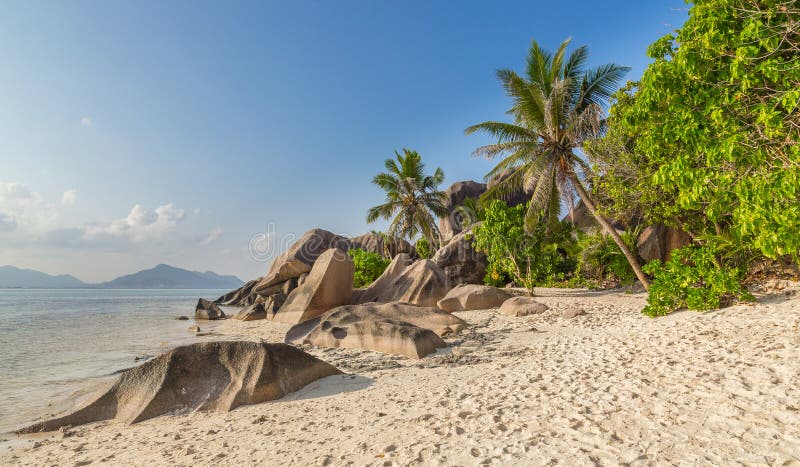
[607, 387]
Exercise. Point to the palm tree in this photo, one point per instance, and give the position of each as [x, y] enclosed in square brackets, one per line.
[412, 197]
[557, 107]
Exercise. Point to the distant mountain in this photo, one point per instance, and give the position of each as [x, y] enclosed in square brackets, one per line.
[159, 277]
[11, 276]
[168, 277]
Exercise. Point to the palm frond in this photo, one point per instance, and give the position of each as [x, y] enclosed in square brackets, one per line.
[504, 132]
[490, 151]
[510, 162]
[538, 66]
[600, 83]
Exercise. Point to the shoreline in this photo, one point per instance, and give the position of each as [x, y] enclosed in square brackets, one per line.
[609, 386]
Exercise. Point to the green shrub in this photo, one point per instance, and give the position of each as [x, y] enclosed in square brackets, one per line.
[541, 258]
[693, 278]
[424, 250]
[368, 266]
[601, 259]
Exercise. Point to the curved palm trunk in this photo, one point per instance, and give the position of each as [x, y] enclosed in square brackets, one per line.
[587, 200]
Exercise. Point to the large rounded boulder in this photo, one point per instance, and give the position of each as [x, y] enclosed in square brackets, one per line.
[473, 297]
[209, 376]
[299, 259]
[392, 328]
[455, 196]
[460, 261]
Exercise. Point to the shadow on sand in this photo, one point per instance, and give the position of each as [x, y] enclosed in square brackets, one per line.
[329, 386]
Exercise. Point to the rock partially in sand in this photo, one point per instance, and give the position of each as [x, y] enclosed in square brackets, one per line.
[330, 284]
[422, 283]
[473, 297]
[210, 376]
[274, 303]
[572, 311]
[194, 328]
[206, 309]
[393, 328]
[460, 261]
[522, 306]
[251, 313]
[301, 257]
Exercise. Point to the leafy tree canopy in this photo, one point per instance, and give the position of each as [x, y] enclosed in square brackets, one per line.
[712, 129]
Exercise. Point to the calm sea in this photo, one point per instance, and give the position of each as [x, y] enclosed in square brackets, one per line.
[59, 346]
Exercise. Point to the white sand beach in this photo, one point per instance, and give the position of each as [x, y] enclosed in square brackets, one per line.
[607, 387]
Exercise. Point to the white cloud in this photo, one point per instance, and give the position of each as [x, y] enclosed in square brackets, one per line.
[86, 122]
[69, 196]
[26, 207]
[140, 225]
[7, 223]
[212, 236]
[15, 192]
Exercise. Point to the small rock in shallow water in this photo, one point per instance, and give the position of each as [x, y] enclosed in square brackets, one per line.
[194, 328]
[182, 318]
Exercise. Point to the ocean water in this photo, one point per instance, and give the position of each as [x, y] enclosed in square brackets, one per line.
[57, 347]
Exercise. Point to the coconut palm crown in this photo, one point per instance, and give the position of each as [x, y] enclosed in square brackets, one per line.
[413, 199]
[557, 106]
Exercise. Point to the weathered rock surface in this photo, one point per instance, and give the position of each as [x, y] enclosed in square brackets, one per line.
[514, 199]
[300, 257]
[206, 309]
[420, 283]
[394, 328]
[658, 241]
[328, 285]
[652, 242]
[302, 278]
[572, 311]
[209, 376]
[455, 196]
[460, 261]
[236, 297]
[274, 303]
[383, 245]
[675, 239]
[522, 306]
[473, 297]
[251, 313]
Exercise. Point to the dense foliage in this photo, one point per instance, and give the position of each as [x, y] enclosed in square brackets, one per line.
[513, 254]
[708, 140]
[413, 199]
[423, 247]
[601, 260]
[693, 278]
[368, 266]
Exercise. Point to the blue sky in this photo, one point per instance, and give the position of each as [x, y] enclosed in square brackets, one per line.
[133, 133]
